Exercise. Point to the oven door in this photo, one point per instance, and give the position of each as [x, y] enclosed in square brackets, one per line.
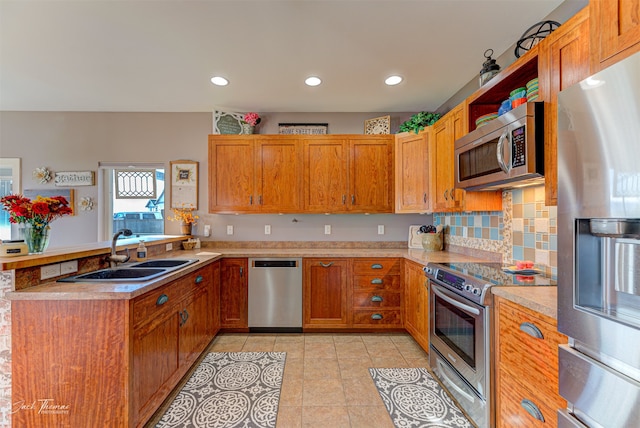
[459, 331]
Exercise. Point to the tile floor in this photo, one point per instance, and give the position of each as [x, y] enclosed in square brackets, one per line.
[326, 379]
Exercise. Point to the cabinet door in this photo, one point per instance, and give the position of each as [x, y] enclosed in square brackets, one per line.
[232, 172]
[325, 293]
[155, 359]
[412, 172]
[214, 298]
[616, 30]
[417, 304]
[279, 180]
[370, 174]
[566, 60]
[234, 293]
[195, 321]
[443, 153]
[325, 174]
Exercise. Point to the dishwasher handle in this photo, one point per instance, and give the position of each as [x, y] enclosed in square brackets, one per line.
[275, 263]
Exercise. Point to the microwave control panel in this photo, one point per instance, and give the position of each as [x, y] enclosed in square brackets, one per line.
[518, 147]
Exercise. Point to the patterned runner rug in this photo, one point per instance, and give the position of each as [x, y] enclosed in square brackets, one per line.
[229, 389]
[415, 399]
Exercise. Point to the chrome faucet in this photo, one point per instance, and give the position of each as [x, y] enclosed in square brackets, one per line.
[114, 258]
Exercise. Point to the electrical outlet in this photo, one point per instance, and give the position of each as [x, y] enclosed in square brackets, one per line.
[267, 229]
[49, 271]
[381, 229]
[229, 230]
[207, 230]
[327, 229]
[169, 246]
[69, 267]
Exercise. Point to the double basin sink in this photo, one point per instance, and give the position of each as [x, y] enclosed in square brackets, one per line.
[141, 271]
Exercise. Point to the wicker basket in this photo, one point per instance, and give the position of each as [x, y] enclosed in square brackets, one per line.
[432, 241]
[188, 245]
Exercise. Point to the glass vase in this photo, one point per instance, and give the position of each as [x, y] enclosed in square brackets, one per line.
[37, 238]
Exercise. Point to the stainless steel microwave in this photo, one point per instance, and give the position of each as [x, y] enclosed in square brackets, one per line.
[505, 153]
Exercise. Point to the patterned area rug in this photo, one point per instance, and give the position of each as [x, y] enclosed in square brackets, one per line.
[415, 399]
[229, 389]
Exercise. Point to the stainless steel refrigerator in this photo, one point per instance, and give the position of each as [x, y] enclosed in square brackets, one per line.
[599, 248]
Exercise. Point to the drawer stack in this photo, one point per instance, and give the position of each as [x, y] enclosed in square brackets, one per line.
[376, 298]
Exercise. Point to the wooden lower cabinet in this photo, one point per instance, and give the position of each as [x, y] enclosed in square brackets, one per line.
[325, 293]
[234, 293]
[109, 362]
[526, 367]
[416, 303]
[377, 294]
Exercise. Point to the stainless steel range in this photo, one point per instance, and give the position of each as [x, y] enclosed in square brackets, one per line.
[460, 331]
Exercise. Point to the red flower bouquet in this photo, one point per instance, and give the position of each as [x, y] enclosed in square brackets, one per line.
[38, 213]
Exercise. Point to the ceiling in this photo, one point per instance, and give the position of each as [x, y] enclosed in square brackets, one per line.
[159, 56]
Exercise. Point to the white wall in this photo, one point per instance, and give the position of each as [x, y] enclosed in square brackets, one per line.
[75, 141]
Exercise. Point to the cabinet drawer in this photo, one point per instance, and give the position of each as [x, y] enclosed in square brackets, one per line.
[376, 299]
[377, 317]
[511, 410]
[382, 282]
[156, 303]
[524, 356]
[379, 267]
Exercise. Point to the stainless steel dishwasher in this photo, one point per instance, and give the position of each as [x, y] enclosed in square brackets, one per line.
[275, 294]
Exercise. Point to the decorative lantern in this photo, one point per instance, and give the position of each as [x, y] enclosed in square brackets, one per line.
[489, 68]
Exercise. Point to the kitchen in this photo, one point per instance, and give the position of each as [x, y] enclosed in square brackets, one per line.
[158, 128]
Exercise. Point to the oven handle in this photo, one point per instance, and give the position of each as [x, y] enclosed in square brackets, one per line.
[445, 376]
[500, 152]
[455, 303]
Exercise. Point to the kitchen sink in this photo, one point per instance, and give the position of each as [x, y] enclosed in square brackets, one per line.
[163, 263]
[142, 271]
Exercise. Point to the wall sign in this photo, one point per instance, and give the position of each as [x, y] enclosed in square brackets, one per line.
[73, 179]
[184, 184]
[227, 122]
[303, 128]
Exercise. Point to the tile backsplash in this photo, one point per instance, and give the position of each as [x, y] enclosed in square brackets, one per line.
[525, 229]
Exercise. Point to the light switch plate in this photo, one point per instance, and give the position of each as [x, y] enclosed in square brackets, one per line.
[381, 229]
[267, 229]
[169, 246]
[49, 271]
[69, 267]
[327, 229]
[229, 230]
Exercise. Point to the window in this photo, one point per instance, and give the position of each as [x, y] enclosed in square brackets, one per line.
[9, 183]
[133, 198]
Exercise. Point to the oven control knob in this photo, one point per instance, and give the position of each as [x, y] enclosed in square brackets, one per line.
[468, 288]
[476, 291]
[428, 270]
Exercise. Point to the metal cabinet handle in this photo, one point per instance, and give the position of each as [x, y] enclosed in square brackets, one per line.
[446, 192]
[241, 271]
[353, 199]
[326, 264]
[344, 199]
[532, 409]
[376, 281]
[184, 316]
[251, 200]
[162, 299]
[452, 194]
[260, 200]
[376, 316]
[199, 279]
[532, 330]
[376, 298]
[424, 197]
[376, 266]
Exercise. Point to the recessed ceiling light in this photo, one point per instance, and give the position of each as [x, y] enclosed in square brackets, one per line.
[393, 80]
[219, 81]
[313, 81]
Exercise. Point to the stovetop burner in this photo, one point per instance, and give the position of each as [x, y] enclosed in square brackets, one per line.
[473, 280]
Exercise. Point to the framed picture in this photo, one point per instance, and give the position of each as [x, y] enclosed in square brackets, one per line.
[184, 184]
[303, 128]
[49, 193]
[73, 179]
[378, 125]
[228, 123]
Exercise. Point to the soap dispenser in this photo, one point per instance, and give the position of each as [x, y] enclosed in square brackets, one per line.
[141, 252]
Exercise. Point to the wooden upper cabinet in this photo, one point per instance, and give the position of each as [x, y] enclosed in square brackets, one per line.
[325, 174]
[615, 31]
[371, 174]
[445, 132]
[232, 172]
[279, 175]
[563, 61]
[348, 173]
[255, 174]
[412, 172]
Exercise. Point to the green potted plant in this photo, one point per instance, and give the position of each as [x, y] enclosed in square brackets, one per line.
[419, 121]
